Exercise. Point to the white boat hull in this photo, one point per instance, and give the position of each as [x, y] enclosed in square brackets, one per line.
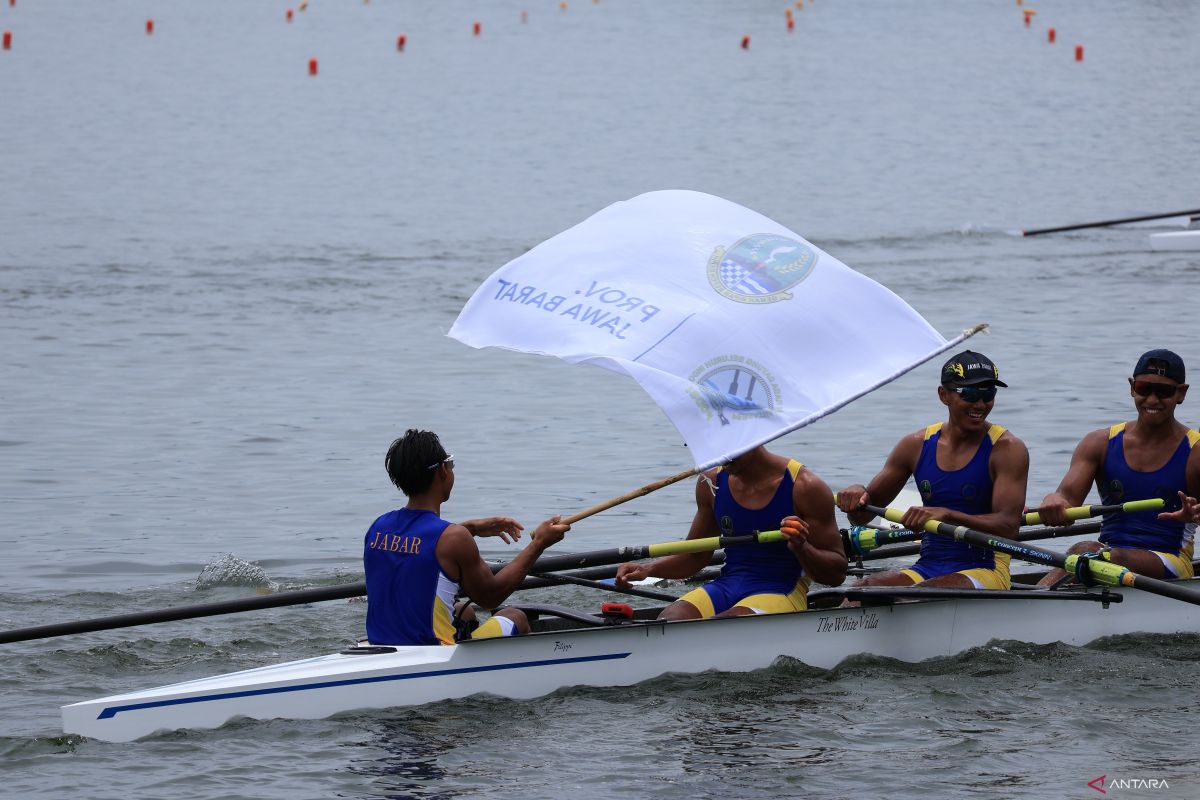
[1178, 240]
[534, 665]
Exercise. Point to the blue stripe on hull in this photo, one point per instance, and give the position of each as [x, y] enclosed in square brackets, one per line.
[112, 711]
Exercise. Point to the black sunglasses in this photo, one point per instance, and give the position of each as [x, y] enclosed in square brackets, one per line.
[973, 394]
[1160, 390]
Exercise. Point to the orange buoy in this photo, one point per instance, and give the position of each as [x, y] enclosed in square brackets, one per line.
[745, 42]
[1079, 52]
[562, 6]
[8, 40]
[401, 40]
[524, 16]
[1050, 35]
[787, 12]
[289, 15]
[477, 28]
[149, 27]
[312, 66]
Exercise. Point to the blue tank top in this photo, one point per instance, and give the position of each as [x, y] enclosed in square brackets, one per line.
[410, 601]
[766, 562]
[967, 490]
[1119, 483]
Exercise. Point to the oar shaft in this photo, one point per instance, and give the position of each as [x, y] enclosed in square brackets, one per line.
[555, 577]
[1107, 222]
[1099, 571]
[1086, 512]
[185, 612]
[888, 548]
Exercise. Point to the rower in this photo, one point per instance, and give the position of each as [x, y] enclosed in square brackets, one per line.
[756, 491]
[969, 472]
[415, 561]
[1154, 456]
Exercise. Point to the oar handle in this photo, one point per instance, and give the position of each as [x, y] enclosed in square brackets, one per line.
[1086, 512]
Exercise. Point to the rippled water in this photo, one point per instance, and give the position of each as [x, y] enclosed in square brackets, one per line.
[224, 288]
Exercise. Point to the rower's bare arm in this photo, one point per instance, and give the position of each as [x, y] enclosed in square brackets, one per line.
[458, 547]
[682, 565]
[1086, 462]
[884, 487]
[817, 544]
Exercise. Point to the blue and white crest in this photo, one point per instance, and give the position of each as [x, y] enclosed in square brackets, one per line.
[760, 268]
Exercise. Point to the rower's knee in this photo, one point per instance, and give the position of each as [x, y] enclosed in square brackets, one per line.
[680, 609]
[1084, 547]
[519, 620]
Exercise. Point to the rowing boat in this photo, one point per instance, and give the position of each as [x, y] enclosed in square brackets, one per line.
[569, 648]
[1178, 240]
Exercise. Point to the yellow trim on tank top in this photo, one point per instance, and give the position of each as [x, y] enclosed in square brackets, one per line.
[994, 431]
[793, 466]
[1193, 436]
[443, 625]
[1113, 430]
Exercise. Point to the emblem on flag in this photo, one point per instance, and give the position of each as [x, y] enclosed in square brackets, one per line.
[760, 268]
[734, 386]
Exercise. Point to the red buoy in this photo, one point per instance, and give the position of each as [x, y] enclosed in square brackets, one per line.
[312, 66]
[745, 42]
[791, 24]
[401, 40]
[1079, 52]
[477, 28]
[149, 27]
[1050, 35]
[290, 14]
[8, 40]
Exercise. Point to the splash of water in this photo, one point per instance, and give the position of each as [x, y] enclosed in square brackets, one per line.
[229, 570]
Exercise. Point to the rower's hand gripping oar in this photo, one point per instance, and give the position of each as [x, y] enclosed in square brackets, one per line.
[1089, 568]
[1086, 512]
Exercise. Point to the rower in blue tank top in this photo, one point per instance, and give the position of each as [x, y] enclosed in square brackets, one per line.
[1154, 456]
[969, 472]
[416, 563]
[757, 491]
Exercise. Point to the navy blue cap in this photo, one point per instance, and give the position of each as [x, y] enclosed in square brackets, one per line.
[1161, 362]
[969, 368]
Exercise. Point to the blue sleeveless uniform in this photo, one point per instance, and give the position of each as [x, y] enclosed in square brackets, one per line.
[1119, 483]
[968, 491]
[754, 569]
[410, 601]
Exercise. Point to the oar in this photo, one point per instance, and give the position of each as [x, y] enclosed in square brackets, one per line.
[1084, 512]
[1087, 570]
[863, 542]
[1107, 222]
[546, 564]
[559, 578]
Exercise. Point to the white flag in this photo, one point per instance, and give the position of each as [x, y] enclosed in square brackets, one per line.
[738, 328]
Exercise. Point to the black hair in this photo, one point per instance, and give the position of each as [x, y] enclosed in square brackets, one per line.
[408, 459]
